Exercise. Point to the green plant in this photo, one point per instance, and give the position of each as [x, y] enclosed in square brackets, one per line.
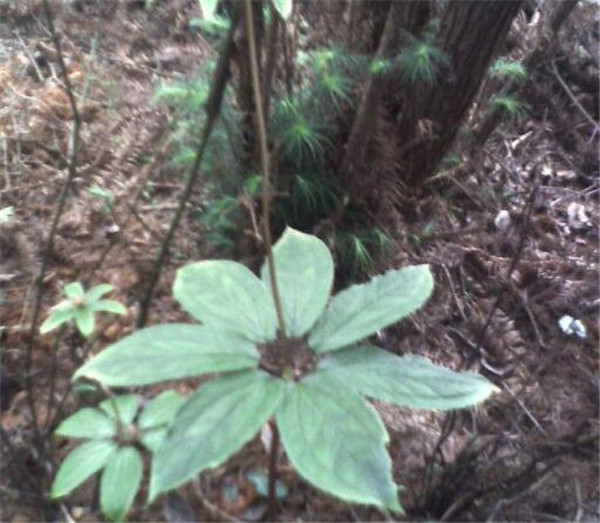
[300, 139]
[356, 249]
[312, 381]
[512, 107]
[113, 431]
[81, 306]
[284, 7]
[503, 68]
[422, 61]
[105, 196]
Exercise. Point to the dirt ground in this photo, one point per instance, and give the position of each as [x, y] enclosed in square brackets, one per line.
[528, 454]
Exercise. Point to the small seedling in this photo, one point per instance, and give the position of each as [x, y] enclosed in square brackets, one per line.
[81, 306]
[113, 435]
[311, 379]
[105, 196]
[513, 108]
[504, 68]
[421, 62]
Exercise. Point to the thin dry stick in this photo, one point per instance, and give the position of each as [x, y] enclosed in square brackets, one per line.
[564, 85]
[213, 108]
[49, 243]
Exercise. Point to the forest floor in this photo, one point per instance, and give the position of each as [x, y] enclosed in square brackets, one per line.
[528, 454]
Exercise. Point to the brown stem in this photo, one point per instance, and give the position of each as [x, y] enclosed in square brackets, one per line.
[264, 162]
[273, 455]
[49, 243]
[213, 107]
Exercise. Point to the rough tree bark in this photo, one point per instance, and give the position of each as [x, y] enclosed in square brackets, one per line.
[470, 34]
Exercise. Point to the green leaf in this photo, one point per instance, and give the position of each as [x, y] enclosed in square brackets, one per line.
[95, 293]
[84, 319]
[260, 480]
[87, 423]
[120, 482]
[109, 306]
[336, 441]
[74, 290]
[408, 381]
[158, 416]
[169, 352]
[227, 295]
[79, 465]
[304, 270]
[215, 422]
[362, 310]
[127, 407]
[209, 8]
[56, 319]
[284, 7]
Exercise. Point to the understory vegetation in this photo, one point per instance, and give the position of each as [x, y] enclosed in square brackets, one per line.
[299, 261]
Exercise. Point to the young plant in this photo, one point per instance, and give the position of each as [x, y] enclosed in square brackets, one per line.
[112, 435]
[105, 196]
[81, 306]
[299, 139]
[513, 108]
[503, 68]
[313, 381]
[422, 61]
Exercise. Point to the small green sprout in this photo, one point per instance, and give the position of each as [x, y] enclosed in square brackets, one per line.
[113, 436]
[81, 306]
[503, 68]
[379, 67]
[313, 380]
[422, 62]
[513, 108]
[105, 196]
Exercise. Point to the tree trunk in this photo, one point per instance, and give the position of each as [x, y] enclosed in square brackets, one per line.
[470, 34]
[404, 17]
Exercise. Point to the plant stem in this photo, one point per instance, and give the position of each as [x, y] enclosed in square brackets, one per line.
[264, 162]
[213, 108]
[48, 248]
[273, 455]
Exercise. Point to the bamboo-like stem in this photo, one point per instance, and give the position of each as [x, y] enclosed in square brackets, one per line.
[264, 162]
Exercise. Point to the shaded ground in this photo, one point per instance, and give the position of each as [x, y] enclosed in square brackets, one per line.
[529, 454]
